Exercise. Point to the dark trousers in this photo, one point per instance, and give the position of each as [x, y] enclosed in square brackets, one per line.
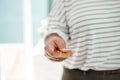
[77, 74]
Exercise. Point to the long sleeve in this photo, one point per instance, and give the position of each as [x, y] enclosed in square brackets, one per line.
[57, 20]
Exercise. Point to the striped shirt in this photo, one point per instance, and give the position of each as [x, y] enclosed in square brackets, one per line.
[92, 29]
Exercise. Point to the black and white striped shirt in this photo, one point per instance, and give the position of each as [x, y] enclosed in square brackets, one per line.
[92, 29]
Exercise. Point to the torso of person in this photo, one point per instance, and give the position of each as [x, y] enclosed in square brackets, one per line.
[94, 27]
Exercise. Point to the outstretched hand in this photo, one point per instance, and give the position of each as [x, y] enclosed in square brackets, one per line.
[55, 48]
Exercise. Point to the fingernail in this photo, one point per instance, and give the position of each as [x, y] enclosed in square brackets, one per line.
[48, 53]
[64, 49]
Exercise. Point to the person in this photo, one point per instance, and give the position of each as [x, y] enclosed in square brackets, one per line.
[90, 31]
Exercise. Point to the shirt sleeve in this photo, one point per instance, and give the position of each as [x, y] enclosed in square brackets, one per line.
[57, 20]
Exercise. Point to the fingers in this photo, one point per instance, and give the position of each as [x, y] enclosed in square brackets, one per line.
[49, 49]
[58, 55]
[52, 58]
[54, 44]
[60, 44]
[67, 51]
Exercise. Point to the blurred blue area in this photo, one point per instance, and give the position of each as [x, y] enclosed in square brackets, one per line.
[11, 19]
[11, 24]
[39, 12]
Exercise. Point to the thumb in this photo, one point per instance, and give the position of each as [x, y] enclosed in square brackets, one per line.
[60, 44]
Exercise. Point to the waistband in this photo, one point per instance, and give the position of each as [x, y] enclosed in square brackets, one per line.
[106, 71]
[117, 71]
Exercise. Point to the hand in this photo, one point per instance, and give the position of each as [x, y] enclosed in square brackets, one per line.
[55, 43]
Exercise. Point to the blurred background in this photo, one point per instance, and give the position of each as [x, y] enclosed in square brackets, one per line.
[22, 27]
